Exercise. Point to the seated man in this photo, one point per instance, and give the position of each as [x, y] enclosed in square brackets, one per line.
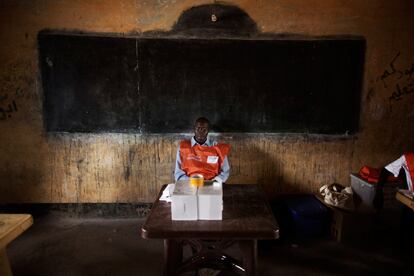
[201, 156]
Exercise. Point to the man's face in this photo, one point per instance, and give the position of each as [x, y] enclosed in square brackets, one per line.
[200, 131]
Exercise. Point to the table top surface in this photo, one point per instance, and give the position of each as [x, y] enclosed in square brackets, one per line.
[405, 200]
[12, 225]
[246, 215]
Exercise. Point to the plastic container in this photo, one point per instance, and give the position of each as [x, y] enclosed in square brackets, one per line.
[197, 180]
[184, 201]
[210, 202]
[364, 189]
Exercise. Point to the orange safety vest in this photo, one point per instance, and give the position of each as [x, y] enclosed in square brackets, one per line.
[201, 159]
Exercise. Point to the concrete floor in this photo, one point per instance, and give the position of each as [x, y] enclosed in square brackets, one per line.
[106, 246]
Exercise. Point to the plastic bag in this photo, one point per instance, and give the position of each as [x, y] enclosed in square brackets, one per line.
[338, 196]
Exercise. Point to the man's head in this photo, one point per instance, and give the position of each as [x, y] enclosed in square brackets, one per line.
[201, 129]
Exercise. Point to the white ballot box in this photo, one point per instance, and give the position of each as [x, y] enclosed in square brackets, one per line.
[184, 201]
[210, 202]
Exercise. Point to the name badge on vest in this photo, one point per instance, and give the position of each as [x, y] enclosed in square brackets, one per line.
[212, 159]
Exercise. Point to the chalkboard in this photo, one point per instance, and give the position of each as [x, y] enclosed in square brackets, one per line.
[89, 83]
[142, 84]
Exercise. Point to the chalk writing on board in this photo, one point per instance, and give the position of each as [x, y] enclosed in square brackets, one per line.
[6, 111]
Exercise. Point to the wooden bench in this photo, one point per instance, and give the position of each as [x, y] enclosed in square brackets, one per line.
[11, 226]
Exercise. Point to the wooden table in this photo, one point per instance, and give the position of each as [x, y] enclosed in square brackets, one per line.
[407, 223]
[247, 217]
[11, 226]
[405, 200]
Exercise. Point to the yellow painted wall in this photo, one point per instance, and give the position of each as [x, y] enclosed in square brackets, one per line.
[37, 167]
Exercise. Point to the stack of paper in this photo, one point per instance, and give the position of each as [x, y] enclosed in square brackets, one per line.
[167, 193]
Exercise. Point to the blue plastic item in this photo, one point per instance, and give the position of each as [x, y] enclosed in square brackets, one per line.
[304, 216]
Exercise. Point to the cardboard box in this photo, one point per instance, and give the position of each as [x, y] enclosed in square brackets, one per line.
[366, 192]
[184, 202]
[364, 189]
[210, 202]
[348, 226]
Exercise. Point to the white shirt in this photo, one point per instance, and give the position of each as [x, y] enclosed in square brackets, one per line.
[395, 168]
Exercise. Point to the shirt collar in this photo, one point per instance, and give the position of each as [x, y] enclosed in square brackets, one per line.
[206, 143]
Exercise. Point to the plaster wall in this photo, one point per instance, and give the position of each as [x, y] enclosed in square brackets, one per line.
[39, 167]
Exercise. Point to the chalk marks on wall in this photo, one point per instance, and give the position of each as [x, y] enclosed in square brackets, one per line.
[399, 79]
[8, 104]
[15, 83]
[390, 71]
[7, 107]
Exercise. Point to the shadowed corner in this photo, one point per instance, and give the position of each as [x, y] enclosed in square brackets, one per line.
[215, 19]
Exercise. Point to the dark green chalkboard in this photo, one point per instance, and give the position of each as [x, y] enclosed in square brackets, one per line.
[96, 83]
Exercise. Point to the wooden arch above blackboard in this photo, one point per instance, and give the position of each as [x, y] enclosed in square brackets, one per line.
[241, 79]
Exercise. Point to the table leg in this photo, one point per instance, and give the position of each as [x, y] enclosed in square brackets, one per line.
[249, 253]
[406, 230]
[4, 263]
[173, 256]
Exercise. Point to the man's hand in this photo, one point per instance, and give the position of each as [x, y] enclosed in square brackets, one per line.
[217, 181]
